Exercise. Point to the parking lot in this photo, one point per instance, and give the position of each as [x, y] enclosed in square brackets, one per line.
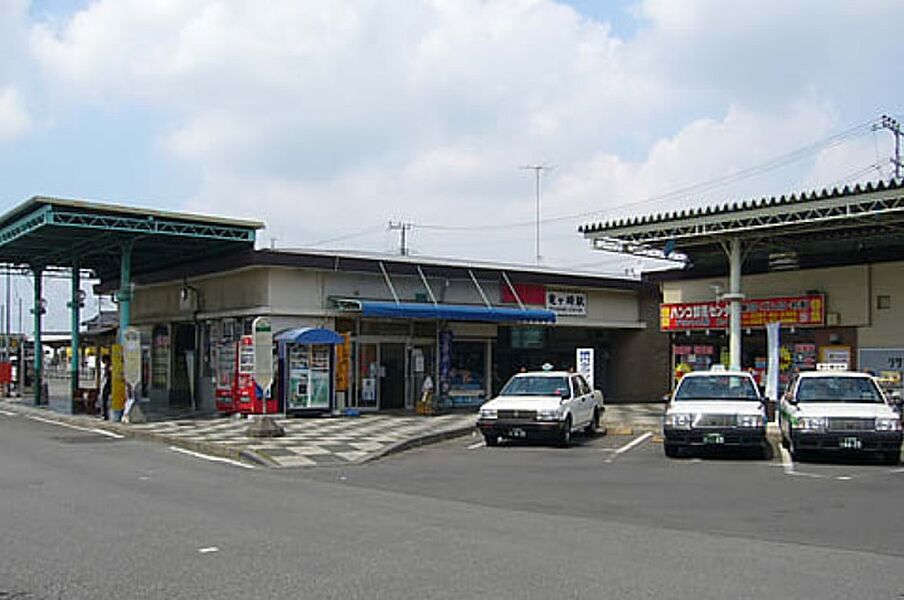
[851, 504]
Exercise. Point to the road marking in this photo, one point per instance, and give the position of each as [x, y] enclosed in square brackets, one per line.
[208, 550]
[7, 413]
[787, 463]
[633, 443]
[77, 428]
[476, 445]
[115, 436]
[228, 461]
[844, 478]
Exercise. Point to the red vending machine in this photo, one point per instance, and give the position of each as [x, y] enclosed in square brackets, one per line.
[247, 394]
[225, 374]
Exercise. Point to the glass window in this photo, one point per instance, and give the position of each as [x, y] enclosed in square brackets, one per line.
[537, 386]
[716, 387]
[838, 389]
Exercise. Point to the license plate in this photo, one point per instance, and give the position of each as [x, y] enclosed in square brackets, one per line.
[713, 438]
[851, 443]
[517, 433]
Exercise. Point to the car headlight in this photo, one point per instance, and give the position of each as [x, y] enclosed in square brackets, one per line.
[679, 420]
[488, 413]
[883, 424]
[811, 423]
[750, 420]
[548, 415]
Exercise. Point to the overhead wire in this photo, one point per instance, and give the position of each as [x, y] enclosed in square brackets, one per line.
[707, 185]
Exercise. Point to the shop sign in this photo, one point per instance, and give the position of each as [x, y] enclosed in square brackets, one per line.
[584, 360]
[131, 339]
[799, 311]
[343, 362]
[566, 303]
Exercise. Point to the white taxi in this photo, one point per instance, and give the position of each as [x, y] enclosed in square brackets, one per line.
[547, 404]
[839, 411]
[715, 409]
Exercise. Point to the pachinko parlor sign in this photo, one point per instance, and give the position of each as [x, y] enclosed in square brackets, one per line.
[798, 311]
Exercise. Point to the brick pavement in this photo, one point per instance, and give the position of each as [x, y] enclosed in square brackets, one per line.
[312, 442]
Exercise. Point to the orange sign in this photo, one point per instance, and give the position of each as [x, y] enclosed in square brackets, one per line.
[799, 311]
[343, 362]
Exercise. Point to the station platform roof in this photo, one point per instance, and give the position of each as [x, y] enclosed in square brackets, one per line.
[832, 227]
[55, 233]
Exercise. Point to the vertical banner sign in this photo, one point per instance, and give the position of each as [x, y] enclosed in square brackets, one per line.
[262, 334]
[445, 363]
[584, 361]
[343, 362]
[117, 385]
[131, 340]
[773, 349]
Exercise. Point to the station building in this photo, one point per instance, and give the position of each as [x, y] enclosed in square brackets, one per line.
[467, 325]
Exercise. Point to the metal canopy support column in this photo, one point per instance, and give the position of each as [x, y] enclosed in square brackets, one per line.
[124, 295]
[734, 296]
[74, 305]
[38, 310]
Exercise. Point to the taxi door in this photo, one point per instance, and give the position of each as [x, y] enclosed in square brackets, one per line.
[582, 401]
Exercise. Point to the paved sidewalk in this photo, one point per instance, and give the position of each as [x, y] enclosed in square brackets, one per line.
[628, 418]
[314, 442]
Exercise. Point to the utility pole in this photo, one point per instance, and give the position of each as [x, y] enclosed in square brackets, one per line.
[886, 122]
[537, 169]
[403, 229]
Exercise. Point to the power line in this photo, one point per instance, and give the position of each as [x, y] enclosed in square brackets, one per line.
[707, 185]
[403, 229]
[348, 236]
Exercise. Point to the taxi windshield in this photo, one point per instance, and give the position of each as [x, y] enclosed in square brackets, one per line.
[716, 387]
[838, 389]
[537, 386]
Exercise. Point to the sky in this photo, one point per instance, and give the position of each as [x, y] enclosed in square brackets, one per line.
[328, 119]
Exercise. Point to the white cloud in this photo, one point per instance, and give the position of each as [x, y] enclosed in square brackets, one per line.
[14, 119]
[327, 117]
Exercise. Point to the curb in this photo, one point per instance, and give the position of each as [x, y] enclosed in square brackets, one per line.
[421, 440]
[219, 450]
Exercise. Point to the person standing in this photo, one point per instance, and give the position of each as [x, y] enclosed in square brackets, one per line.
[106, 386]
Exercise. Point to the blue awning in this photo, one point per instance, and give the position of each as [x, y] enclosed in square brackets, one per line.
[448, 312]
[309, 335]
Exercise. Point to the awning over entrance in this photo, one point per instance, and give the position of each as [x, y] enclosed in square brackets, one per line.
[309, 335]
[446, 312]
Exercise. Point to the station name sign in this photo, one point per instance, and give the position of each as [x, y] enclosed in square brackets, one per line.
[799, 311]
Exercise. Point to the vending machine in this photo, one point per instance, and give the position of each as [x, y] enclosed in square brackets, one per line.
[248, 396]
[225, 361]
[307, 364]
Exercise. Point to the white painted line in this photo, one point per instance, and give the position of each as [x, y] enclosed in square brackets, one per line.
[115, 436]
[208, 550]
[7, 413]
[476, 445]
[844, 478]
[228, 461]
[633, 443]
[897, 470]
[787, 463]
[77, 428]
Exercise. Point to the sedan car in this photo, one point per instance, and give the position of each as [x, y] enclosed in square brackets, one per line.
[715, 409]
[839, 412]
[542, 404]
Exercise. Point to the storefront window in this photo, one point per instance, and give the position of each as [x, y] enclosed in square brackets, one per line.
[467, 377]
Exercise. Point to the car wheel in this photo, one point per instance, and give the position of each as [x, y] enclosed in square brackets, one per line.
[565, 435]
[491, 439]
[671, 450]
[892, 458]
[594, 423]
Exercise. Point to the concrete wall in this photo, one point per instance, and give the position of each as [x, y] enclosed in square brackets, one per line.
[248, 289]
[846, 289]
[887, 327]
[640, 358]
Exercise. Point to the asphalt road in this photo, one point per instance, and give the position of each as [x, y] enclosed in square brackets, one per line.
[83, 515]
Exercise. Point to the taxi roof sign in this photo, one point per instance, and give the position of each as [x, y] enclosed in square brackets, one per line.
[831, 367]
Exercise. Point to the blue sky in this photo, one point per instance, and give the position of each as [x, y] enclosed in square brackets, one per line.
[328, 119]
